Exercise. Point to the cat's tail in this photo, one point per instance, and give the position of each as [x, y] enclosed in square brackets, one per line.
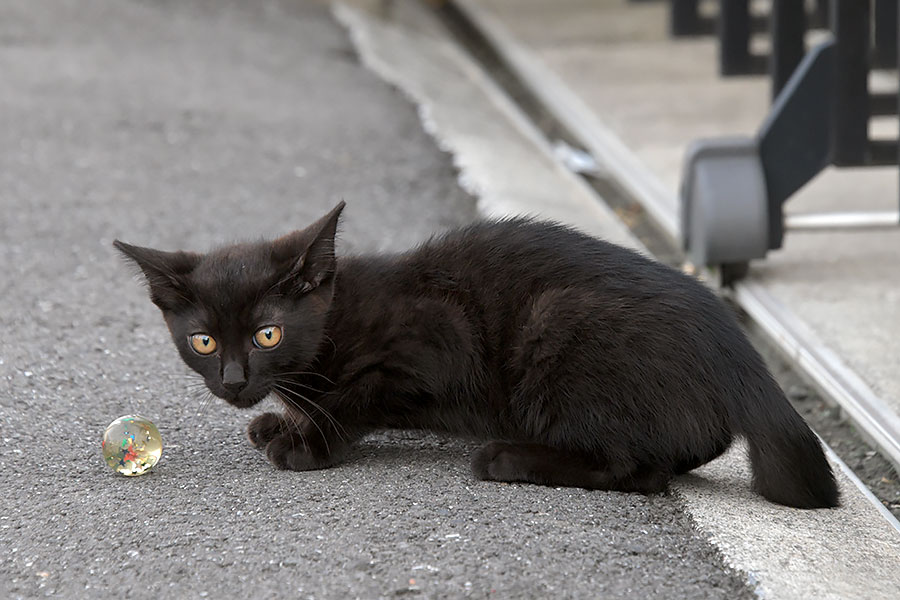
[789, 465]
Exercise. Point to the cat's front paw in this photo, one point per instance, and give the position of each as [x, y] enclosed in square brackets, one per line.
[288, 451]
[265, 428]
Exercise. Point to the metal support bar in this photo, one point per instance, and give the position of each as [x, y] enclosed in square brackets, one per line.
[788, 27]
[794, 138]
[842, 221]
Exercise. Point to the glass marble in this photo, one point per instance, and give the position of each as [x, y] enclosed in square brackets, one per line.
[131, 445]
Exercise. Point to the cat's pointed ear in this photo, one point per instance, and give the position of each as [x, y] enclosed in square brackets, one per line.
[306, 257]
[166, 273]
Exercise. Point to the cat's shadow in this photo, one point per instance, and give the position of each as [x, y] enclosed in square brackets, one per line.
[411, 448]
[422, 449]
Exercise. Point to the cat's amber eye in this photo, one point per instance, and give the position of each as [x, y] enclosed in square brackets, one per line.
[267, 337]
[203, 343]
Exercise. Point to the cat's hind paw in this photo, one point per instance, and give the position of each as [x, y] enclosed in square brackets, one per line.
[264, 428]
[494, 461]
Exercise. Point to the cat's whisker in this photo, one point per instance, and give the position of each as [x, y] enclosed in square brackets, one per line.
[289, 415]
[339, 429]
[284, 405]
[313, 373]
[295, 404]
[297, 427]
[303, 385]
[289, 397]
[295, 420]
[191, 384]
[291, 402]
[205, 399]
[328, 337]
[200, 394]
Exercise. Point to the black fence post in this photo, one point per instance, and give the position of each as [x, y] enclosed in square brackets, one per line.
[885, 46]
[850, 131]
[788, 27]
[684, 18]
[734, 37]
[820, 16]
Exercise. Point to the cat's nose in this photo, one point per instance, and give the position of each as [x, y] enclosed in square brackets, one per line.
[234, 388]
[233, 377]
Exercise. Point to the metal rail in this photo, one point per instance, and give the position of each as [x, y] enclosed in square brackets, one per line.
[842, 221]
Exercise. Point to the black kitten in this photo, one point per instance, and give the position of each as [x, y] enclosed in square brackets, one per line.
[586, 363]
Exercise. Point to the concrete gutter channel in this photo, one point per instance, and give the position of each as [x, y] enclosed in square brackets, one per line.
[851, 552]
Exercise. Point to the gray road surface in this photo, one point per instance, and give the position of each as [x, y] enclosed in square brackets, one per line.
[190, 123]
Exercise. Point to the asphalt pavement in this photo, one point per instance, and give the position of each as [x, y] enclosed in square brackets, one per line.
[184, 124]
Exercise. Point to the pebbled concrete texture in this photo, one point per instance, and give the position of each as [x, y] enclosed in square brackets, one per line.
[191, 123]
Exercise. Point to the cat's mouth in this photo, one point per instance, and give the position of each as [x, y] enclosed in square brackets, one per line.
[244, 402]
[244, 399]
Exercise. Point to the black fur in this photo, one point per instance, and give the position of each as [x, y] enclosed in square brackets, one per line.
[586, 363]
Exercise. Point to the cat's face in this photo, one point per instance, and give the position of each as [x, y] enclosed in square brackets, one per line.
[246, 316]
[240, 338]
